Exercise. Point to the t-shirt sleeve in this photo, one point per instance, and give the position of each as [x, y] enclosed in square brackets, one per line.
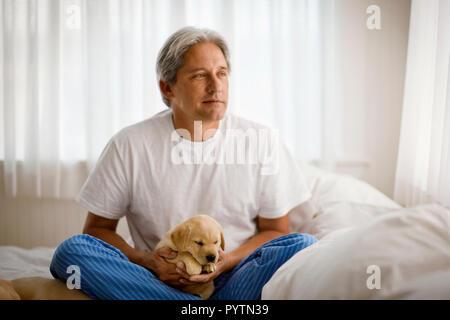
[282, 185]
[106, 190]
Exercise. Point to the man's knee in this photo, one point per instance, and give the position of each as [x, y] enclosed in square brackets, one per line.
[285, 247]
[304, 239]
[74, 245]
[300, 240]
[70, 252]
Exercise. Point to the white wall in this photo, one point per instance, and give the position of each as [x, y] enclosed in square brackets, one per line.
[372, 64]
[373, 67]
[28, 222]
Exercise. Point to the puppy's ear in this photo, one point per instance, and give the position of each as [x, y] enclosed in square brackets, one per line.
[222, 240]
[180, 236]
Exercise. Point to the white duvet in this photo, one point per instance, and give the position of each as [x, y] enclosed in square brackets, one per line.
[401, 254]
[369, 246]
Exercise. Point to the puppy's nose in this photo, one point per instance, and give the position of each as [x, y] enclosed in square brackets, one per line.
[211, 257]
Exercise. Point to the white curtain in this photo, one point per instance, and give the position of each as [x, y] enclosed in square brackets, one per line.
[74, 72]
[423, 167]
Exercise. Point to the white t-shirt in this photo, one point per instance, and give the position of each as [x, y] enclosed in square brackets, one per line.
[156, 179]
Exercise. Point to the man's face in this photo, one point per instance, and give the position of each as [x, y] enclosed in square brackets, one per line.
[201, 88]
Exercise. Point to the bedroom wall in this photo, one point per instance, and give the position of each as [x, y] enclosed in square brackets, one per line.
[372, 63]
[28, 222]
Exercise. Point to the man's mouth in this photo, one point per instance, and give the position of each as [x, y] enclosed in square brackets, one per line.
[212, 101]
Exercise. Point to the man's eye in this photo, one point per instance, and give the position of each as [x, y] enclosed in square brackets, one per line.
[199, 243]
[201, 75]
[223, 74]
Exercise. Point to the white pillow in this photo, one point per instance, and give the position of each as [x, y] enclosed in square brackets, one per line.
[338, 201]
[411, 247]
[341, 215]
[328, 187]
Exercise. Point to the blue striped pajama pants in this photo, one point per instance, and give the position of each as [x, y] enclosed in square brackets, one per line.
[106, 273]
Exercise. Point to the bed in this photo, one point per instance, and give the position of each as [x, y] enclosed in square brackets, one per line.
[369, 247]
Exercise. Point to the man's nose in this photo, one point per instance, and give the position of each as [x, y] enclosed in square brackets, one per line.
[214, 84]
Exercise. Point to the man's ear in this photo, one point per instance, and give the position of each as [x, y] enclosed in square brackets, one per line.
[166, 89]
[180, 236]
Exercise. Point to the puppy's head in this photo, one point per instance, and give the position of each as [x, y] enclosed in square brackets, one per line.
[201, 236]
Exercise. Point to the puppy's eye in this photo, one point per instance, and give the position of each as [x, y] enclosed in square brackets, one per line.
[199, 243]
[215, 242]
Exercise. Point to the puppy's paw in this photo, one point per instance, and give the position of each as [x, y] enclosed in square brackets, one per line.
[209, 267]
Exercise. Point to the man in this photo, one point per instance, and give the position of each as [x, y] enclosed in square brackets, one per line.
[141, 175]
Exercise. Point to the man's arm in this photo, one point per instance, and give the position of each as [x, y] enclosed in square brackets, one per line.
[105, 229]
[268, 229]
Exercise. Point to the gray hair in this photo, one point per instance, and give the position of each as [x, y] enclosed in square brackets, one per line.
[170, 57]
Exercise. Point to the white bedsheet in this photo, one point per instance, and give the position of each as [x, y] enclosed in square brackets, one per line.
[410, 247]
[17, 262]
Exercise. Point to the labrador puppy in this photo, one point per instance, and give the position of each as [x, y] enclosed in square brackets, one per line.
[197, 241]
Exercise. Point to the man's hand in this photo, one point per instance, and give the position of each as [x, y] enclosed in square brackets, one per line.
[187, 279]
[164, 271]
